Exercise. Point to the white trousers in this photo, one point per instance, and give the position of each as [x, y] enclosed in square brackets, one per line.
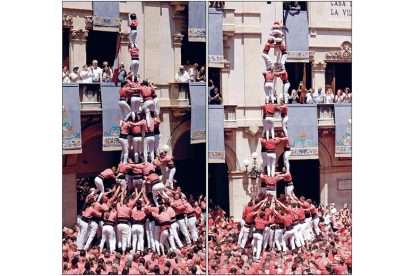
[83, 228]
[268, 87]
[169, 175]
[193, 228]
[289, 236]
[155, 102]
[276, 32]
[165, 235]
[257, 244]
[284, 125]
[183, 229]
[264, 158]
[270, 126]
[266, 236]
[298, 236]
[286, 156]
[135, 104]
[271, 161]
[157, 234]
[149, 144]
[315, 223]
[94, 227]
[125, 111]
[245, 234]
[158, 188]
[137, 144]
[271, 239]
[286, 92]
[283, 61]
[130, 179]
[267, 60]
[137, 232]
[288, 190]
[123, 231]
[139, 182]
[99, 188]
[275, 39]
[303, 230]
[108, 236]
[134, 67]
[174, 227]
[278, 238]
[133, 34]
[264, 128]
[308, 228]
[122, 181]
[148, 105]
[241, 232]
[157, 138]
[124, 144]
[149, 231]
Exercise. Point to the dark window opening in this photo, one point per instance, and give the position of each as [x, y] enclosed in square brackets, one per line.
[295, 76]
[218, 186]
[338, 76]
[100, 46]
[214, 75]
[287, 5]
[65, 48]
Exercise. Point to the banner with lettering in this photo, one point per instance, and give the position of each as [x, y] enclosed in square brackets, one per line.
[71, 117]
[343, 128]
[302, 129]
[216, 148]
[297, 34]
[198, 114]
[196, 21]
[338, 10]
[215, 36]
[111, 115]
[106, 14]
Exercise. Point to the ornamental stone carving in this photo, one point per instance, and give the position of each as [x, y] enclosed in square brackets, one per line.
[178, 38]
[124, 36]
[88, 19]
[79, 33]
[67, 20]
[318, 66]
[344, 55]
[227, 64]
[311, 55]
[178, 7]
[252, 128]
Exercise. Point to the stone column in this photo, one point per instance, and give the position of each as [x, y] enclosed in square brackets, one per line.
[124, 55]
[77, 47]
[178, 38]
[152, 39]
[318, 75]
[224, 82]
[69, 193]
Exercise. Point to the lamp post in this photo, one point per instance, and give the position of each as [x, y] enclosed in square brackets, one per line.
[254, 172]
[166, 148]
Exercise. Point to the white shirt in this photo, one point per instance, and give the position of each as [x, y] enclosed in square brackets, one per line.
[86, 76]
[309, 99]
[192, 73]
[333, 211]
[77, 80]
[346, 99]
[338, 100]
[182, 77]
[66, 79]
[96, 73]
[329, 98]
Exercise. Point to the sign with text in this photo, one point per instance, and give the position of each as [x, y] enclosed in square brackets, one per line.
[344, 184]
[338, 10]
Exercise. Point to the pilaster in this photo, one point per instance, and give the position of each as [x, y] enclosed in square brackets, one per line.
[77, 47]
[152, 54]
[318, 75]
[124, 55]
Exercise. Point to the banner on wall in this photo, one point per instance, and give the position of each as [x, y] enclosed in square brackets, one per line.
[71, 119]
[303, 131]
[198, 114]
[111, 116]
[343, 129]
[216, 148]
[297, 34]
[106, 14]
[197, 21]
[215, 37]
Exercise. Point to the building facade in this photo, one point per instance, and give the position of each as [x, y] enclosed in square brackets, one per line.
[246, 27]
[163, 46]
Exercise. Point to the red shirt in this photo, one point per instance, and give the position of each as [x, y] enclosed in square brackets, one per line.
[90, 211]
[98, 207]
[283, 76]
[269, 76]
[250, 217]
[247, 210]
[133, 23]
[163, 217]
[286, 142]
[144, 124]
[124, 168]
[125, 92]
[138, 215]
[107, 174]
[146, 168]
[137, 170]
[268, 212]
[123, 211]
[271, 181]
[134, 52]
[167, 161]
[112, 216]
[278, 219]
[287, 177]
[269, 109]
[125, 128]
[270, 145]
[293, 212]
[267, 48]
[147, 92]
[301, 213]
[284, 109]
[153, 177]
[176, 205]
[287, 219]
[305, 205]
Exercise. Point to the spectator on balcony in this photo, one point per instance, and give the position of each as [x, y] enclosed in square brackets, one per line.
[329, 98]
[122, 73]
[319, 96]
[309, 97]
[214, 97]
[96, 72]
[65, 77]
[192, 72]
[75, 76]
[201, 75]
[348, 95]
[107, 74]
[296, 6]
[182, 75]
[86, 74]
[340, 96]
[187, 65]
[286, 96]
[105, 63]
[295, 97]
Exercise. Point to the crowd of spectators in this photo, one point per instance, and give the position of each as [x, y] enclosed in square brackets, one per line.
[319, 97]
[190, 73]
[328, 253]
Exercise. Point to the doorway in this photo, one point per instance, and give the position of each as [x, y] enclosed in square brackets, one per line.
[102, 47]
[65, 48]
[218, 186]
[295, 75]
[338, 76]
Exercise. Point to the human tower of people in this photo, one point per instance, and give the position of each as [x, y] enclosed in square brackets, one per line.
[283, 224]
[139, 205]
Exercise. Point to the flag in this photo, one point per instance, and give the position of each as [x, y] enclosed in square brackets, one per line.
[303, 92]
[116, 62]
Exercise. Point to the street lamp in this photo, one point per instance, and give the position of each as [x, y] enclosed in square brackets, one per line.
[254, 172]
[166, 148]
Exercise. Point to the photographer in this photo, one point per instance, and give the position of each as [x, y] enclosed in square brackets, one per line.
[122, 73]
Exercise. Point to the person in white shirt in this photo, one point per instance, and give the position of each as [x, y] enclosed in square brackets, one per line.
[96, 72]
[75, 76]
[309, 97]
[281, 96]
[333, 210]
[105, 63]
[86, 74]
[329, 98]
[340, 96]
[319, 96]
[193, 72]
[182, 75]
[348, 95]
[65, 75]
